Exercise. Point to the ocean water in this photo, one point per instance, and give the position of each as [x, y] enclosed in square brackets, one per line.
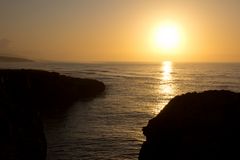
[110, 126]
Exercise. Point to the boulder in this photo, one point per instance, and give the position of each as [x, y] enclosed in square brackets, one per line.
[195, 126]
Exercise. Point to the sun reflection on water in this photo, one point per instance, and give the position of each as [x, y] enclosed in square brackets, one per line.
[166, 70]
[166, 86]
[166, 83]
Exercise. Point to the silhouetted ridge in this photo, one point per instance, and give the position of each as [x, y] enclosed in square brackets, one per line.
[14, 59]
[46, 89]
[195, 126]
[24, 94]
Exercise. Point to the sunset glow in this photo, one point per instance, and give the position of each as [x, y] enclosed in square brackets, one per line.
[136, 30]
[119, 79]
[167, 37]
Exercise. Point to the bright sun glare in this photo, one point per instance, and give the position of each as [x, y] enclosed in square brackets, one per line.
[167, 37]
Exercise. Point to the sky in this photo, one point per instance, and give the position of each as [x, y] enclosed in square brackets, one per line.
[119, 30]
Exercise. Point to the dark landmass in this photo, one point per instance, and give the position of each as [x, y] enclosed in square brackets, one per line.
[195, 126]
[14, 59]
[24, 96]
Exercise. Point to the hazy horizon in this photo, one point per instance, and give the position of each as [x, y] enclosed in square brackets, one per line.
[121, 30]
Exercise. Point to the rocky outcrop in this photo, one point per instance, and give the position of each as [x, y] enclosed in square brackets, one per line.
[195, 126]
[46, 89]
[24, 95]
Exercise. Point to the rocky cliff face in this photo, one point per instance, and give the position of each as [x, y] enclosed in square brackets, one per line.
[195, 126]
[24, 96]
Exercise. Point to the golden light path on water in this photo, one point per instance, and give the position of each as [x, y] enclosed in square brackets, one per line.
[166, 87]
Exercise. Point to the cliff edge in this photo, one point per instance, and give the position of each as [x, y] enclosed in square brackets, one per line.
[24, 96]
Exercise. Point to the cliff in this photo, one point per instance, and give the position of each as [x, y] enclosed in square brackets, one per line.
[195, 126]
[24, 96]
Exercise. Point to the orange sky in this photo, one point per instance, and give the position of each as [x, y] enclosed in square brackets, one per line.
[119, 30]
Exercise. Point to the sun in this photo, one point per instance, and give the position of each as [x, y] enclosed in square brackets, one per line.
[167, 37]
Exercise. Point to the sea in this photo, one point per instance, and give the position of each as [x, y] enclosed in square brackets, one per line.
[109, 127]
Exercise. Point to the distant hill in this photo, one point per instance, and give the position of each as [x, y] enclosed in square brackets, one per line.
[14, 59]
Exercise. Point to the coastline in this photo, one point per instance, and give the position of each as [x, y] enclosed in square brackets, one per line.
[25, 96]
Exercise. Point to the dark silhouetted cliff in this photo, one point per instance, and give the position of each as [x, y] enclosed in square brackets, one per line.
[195, 126]
[24, 95]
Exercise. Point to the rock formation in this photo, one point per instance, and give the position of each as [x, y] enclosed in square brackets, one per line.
[24, 95]
[195, 126]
